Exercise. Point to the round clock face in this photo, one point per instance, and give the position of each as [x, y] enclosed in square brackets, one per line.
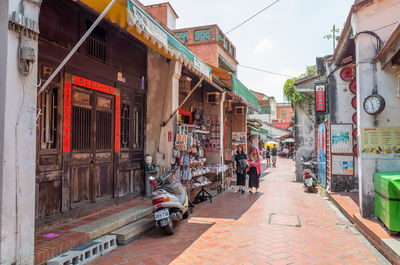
[374, 104]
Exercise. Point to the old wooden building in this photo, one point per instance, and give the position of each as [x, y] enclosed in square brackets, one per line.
[90, 137]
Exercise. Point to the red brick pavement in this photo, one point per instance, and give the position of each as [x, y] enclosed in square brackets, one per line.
[47, 248]
[235, 229]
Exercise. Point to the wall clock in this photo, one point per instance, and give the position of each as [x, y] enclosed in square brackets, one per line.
[374, 104]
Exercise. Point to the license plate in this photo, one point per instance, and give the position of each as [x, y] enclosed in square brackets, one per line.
[162, 214]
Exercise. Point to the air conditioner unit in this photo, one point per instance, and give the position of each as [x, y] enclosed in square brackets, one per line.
[240, 111]
[213, 97]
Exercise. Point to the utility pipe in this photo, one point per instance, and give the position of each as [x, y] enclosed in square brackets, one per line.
[183, 102]
[76, 47]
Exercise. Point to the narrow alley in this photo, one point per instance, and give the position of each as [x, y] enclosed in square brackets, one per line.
[281, 224]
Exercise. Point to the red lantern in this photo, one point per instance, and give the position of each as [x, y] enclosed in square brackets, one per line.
[346, 74]
[354, 102]
[355, 133]
[355, 150]
[353, 86]
[354, 118]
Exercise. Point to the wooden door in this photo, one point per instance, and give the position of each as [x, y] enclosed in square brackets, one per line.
[91, 146]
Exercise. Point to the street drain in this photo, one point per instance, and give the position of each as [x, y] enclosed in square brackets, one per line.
[284, 219]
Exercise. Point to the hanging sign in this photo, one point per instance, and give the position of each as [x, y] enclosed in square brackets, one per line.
[346, 74]
[320, 102]
[181, 142]
[136, 16]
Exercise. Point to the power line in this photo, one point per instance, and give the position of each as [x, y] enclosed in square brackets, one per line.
[397, 22]
[265, 71]
[259, 12]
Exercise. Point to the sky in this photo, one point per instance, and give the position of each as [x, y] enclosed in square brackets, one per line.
[284, 38]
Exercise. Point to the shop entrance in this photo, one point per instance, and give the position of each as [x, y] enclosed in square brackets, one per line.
[92, 138]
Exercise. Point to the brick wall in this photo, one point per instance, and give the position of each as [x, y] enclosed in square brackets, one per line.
[159, 12]
[288, 110]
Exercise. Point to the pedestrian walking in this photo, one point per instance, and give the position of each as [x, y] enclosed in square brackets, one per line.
[268, 156]
[240, 165]
[254, 169]
[274, 154]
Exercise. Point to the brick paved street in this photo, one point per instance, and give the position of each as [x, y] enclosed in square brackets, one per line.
[239, 229]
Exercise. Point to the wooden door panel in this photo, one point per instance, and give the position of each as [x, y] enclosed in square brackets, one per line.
[80, 183]
[48, 198]
[103, 180]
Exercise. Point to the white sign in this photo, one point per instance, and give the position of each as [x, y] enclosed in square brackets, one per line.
[201, 67]
[139, 18]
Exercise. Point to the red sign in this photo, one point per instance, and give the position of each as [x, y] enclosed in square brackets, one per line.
[83, 82]
[320, 102]
[169, 136]
[346, 74]
[117, 122]
[67, 117]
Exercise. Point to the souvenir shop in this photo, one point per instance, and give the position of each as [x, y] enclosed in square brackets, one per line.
[198, 154]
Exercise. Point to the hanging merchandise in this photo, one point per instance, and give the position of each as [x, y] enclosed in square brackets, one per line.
[212, 142]
[181, 138]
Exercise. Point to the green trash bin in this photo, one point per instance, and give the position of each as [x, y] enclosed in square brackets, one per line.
[387, 199]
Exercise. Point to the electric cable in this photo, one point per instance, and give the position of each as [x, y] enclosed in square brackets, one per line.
[259, 12]
[265, 71]
[394, 23]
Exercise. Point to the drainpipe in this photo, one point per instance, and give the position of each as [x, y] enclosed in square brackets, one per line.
[76, 47]
[222, 128]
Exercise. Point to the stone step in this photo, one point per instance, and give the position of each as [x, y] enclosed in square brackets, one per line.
[133, 231]
[111, 223]
[393, 246]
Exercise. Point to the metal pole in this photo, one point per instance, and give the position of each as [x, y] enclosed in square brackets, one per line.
[183, 102]
[334, 38]
[76, 47]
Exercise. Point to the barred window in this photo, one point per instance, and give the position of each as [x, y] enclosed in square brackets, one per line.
[183, 36]
[203, 34]
[96, 46]
[227, 45]
[232, 51]
[48, 120]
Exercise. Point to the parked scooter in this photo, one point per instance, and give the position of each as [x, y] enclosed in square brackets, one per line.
[309, 173]
[170, 201]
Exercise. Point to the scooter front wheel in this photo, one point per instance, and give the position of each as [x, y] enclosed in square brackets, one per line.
[169, 228]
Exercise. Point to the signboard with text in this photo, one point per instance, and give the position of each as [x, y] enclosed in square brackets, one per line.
[320, 102]
[380, 142]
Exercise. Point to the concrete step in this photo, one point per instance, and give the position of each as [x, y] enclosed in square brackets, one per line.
[133, 231]
[113, 222]
[393, 246]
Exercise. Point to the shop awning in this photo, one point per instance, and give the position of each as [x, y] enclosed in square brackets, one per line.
[129, 16]
[257, 131]
[244, 93]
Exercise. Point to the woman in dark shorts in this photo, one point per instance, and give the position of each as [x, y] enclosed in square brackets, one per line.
[268, 156]
[240, 163]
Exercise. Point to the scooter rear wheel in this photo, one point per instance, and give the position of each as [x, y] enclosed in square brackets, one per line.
[169, 228]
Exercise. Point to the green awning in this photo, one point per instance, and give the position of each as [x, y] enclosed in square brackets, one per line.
[244, 93]
[257, 131]
[263, 130]
[137, 16]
